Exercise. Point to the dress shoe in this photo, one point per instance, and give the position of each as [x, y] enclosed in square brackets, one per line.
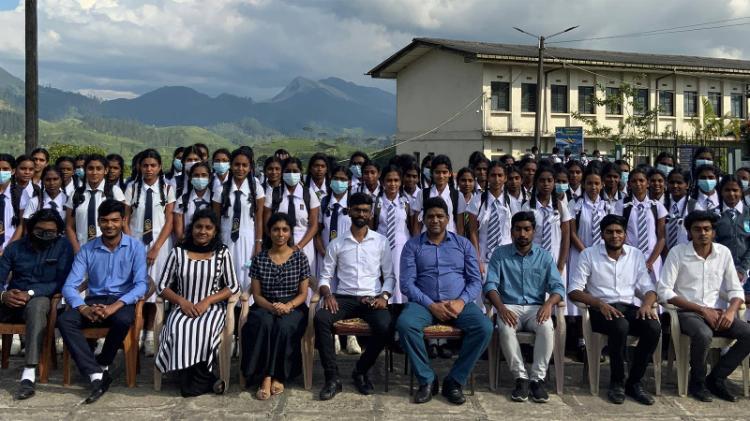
[453, 392]
[521, 391]
[616, 394]
[700, 393]
[718, 388]
[427, 391]
[25, 390]
[99, 388]
[639, 394]
[444, 352]
[330, 389]
[432, 351]
[362, 383]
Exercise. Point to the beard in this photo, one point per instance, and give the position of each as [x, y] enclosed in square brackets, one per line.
[359, 222]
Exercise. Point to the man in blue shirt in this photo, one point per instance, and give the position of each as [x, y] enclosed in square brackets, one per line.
[116, 268]
[519, 277]
[440, 276]
[39, 263]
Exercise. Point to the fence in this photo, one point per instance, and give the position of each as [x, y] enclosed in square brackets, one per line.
[726, 153]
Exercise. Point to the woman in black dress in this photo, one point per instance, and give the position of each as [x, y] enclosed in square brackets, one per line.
[271, 337]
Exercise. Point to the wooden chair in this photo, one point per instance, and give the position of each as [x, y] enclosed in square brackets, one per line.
[130, 344]
[681, 346]
[225, 348]
[558, 354]
[441, 331]
[48, 359]
[596, 341]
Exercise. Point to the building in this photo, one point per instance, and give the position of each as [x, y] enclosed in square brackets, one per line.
[461, 96]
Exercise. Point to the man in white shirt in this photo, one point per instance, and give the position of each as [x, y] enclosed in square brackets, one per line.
[357, 261]
[698, 278]
[608, 278]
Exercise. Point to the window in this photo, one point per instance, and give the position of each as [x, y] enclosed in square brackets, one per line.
[559, 99]
[714, 98]
[640, 101]
[586, 100]
[500, 96]
[528, 97]
[666, 103]
[737, 102]
[690, 100]
[615, 106]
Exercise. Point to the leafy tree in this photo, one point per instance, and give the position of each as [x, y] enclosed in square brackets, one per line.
[57, 150]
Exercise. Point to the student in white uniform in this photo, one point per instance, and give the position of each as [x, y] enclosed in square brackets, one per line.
[665, 163]
[467, 186]
[657, 182]
[66, 166]
[562, 184]
[705, 194]
[190, 156]
[333, 209]
[425, 172]
[678, 205]
[528, 167]
[220, 163]
[552, 231]
[611, 183]
[479, 164]
[271, 173]
[646, 221]
[9, 195]
[52, 196]
[442, 185]
[199, 195]
[514, 187]
[743, 174]
[81, 219]
[240, 204]
[410, 169]
[356, 162]
[317, 175]
[116, 167]
[370, 180]
[24, 179]
[304, 207]
[575, 180]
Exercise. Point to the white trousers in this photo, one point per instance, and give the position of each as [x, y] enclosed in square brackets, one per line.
[543, 344]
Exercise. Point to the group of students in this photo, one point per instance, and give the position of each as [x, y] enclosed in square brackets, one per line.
[275, 225]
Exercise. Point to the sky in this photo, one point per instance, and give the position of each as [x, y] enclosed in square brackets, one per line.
[124, 48]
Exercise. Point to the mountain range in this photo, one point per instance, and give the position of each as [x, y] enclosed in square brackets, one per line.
[329, 106]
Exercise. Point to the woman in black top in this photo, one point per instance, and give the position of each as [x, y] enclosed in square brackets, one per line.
[271, 337]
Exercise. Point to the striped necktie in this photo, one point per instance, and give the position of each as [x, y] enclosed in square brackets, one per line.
[673, 229]
[547, 230]
[493, 229]
[390, 230]
[596, 230]
[642, 229]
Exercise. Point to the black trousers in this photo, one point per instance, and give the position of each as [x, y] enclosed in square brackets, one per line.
[351, 307]
[617, 331]
[71, 323]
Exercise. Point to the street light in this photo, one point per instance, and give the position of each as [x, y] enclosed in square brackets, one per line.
[539, 83]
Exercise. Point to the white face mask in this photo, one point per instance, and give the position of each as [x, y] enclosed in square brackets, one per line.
[291, 178]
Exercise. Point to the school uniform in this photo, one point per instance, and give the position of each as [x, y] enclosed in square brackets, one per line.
[329, 207]
[733, 231]
[493, 217]
[217, 182]
[321, 191]
[392, 223]
[362, 188]
[446, 195]
[243, 244]
[57, 204]
[641, 232]
[516, 203]
[548, 232]
[574, 194]
[413, 196]
[194, 203]
[87, 228]
[139, 221]
[8, 228]
[301, 214]
[26, 194]
[676, 213]
[708, 202]
[70, 188]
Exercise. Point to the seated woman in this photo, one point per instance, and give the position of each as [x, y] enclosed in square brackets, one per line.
[198, 279]
[271, 337]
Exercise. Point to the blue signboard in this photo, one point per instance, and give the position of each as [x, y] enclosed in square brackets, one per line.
[569, 138]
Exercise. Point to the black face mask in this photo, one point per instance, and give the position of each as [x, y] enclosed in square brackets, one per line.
[43, 239]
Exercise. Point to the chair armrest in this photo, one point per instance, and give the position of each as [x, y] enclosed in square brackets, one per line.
[581, 306]
[560, 311]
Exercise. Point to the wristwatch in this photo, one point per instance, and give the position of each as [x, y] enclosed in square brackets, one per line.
[386, 295]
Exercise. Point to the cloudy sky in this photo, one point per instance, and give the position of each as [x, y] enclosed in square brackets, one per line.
[121, 48]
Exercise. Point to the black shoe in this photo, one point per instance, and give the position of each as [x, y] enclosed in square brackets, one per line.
[331, 389]
[363, 383]
[538, 392]
[444, 352]
[426, 391]
[432, 351]
[219, 387]
[699, 392]
[639, 394]
[581, 354]
[616, 394]
[99, 388]
[718, 388]
[453, 392]
[25, 390]
[521, 392]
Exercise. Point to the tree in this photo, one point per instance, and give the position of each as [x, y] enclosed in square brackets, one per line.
[57, 150]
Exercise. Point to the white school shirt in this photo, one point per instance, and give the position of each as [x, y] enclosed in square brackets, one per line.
[81, 212]
[7, 218]
[26, 194]
[576, 193]
[516, 203]
[59, 202]
[343, 224]
[217, 183]
[700, 281]
[158, 210]
[321, 191]
[300, 211]
[613, 281]
[70, 188]
[413, 197]
[587, 209]
[483, 219]
[556, 219]
[187, 214]
[402, 232]
[362, 188]
[632, 231]
[416, 207]
[247, 221]
[703, 199]
[678, 211]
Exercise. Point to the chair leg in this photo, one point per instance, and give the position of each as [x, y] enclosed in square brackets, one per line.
[593, 355]
[7, 341]
[746, 376]
[130, 347]
[411, 383]
[657, 367]
[66, 366]
[308, 356]
[559, 359]
[388, 365]
[472, 382]
[682, 360]
[492, 360]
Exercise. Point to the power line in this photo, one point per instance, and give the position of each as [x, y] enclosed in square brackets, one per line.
[665, 31]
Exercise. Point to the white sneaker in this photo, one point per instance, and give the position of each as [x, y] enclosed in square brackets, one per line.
[352, 346]
[59, 345]
[99, 346]
[15, 346]
[337, 344]
[148, 346]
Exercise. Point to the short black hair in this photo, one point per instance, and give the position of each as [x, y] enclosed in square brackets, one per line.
[110, 206]
[523, 216]
[613, 219]
[434, 202]
[45, 215]
[700, 216]
[360, 199]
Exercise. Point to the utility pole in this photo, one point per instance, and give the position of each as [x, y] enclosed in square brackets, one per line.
[32, 78]
[540, 82]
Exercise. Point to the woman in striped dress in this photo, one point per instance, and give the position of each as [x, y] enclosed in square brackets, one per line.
[197, 279]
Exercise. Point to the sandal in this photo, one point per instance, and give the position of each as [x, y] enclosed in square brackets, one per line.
[262, 394]
[277, 388]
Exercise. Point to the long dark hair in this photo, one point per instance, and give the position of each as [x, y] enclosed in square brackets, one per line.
[276, 217]
[319, 156]
[150, 153]
[186, 195]
[119, 159]
[247, 152]
[216, 244]
[172, 169]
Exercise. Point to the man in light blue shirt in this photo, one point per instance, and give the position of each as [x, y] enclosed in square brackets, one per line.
[116, 268]
[520, 276]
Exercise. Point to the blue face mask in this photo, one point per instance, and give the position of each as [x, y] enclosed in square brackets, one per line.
[177, 164]
[427, 173]
[356, 170]
[624, 177]
[745, 184]
[221, 168]
[701, 162]
[561, 187]
[292, 178]
[199, 183]
[706, 185]
[339, 186]
[665, 169]
[80, 172]
[5, 176]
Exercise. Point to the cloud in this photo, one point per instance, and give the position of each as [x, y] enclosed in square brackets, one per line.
[105, 94]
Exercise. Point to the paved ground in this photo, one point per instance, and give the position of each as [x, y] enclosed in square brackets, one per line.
[56, 402]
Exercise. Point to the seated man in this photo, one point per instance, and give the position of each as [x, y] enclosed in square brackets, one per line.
[440, 277]
[519, 277]
[699, 277]
[608, 278]
[354, 263]
[39, 263]
[116, 268]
